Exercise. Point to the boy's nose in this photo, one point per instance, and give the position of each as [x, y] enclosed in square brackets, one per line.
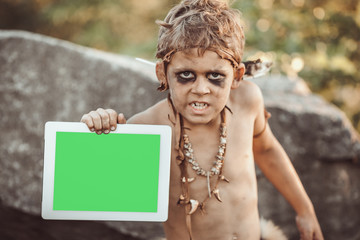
[200, 87]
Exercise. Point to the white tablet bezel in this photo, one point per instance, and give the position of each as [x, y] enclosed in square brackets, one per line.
[161, 215]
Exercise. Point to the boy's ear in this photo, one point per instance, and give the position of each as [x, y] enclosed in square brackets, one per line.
[161, 76]
[238, 75]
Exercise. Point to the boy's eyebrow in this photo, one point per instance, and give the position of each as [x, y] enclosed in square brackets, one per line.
[210, 69]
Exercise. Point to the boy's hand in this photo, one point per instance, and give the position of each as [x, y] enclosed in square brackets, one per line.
[103, 121]
[309, 227]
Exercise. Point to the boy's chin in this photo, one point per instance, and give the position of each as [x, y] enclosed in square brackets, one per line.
[199, 120]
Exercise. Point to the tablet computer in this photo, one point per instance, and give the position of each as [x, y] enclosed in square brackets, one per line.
[120, 176]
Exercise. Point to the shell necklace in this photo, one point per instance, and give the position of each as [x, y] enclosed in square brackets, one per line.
[216, 169]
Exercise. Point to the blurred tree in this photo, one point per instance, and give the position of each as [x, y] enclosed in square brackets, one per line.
[19, 15]
[112, 25]
[318, 40]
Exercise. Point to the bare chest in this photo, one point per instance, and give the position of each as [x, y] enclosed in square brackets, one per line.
[235, 201]
[237, 165]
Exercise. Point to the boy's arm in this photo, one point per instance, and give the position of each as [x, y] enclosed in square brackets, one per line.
[277, 167]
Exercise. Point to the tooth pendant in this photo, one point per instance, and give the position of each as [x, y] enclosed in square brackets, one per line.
[181, 199]
[222, 177]
[194, 205]
[189, 180]
[217, 194]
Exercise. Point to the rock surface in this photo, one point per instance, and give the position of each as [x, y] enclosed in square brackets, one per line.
[305, 124]
[17, 225]
[45, 79]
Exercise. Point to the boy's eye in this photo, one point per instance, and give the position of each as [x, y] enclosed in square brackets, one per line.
[186, 75]
[215, 76]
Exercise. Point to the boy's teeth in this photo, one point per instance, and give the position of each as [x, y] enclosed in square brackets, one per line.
[199, 105]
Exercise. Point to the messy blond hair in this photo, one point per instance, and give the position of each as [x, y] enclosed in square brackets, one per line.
[203, 24]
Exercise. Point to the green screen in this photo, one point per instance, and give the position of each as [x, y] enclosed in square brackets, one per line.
[113, 172]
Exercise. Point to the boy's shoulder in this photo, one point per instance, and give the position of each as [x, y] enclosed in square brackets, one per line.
[155, 115]
[247, 96]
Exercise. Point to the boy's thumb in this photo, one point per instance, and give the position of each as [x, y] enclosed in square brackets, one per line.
[121, 119]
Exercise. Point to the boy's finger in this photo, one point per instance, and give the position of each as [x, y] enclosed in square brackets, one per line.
[105, 120]
[113, 119]
[96, 120]
[88, 121]
[121, 119]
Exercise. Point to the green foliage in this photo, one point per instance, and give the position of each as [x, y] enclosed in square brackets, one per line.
[317, 40]
[324, 35]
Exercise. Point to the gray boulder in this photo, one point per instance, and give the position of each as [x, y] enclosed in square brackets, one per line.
[324, 149]
[45, 79]
[306, 124]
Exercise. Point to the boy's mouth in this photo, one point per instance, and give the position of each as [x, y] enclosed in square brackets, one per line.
[198, 105]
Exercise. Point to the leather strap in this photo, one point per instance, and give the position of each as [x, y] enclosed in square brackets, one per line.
[267, 116]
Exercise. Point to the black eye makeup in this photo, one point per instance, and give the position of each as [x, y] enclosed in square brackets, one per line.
[185, 76]
[216, 78]
[188, 76]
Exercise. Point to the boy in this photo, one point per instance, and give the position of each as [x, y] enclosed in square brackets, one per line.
[219, 129]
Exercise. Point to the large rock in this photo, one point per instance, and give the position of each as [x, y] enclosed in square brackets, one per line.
[324, 149]
[46, 79]
[307, 125]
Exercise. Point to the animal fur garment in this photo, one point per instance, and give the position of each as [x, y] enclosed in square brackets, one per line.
[269, 231]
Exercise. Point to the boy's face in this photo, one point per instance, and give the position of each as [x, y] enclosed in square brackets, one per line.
[200, 85]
